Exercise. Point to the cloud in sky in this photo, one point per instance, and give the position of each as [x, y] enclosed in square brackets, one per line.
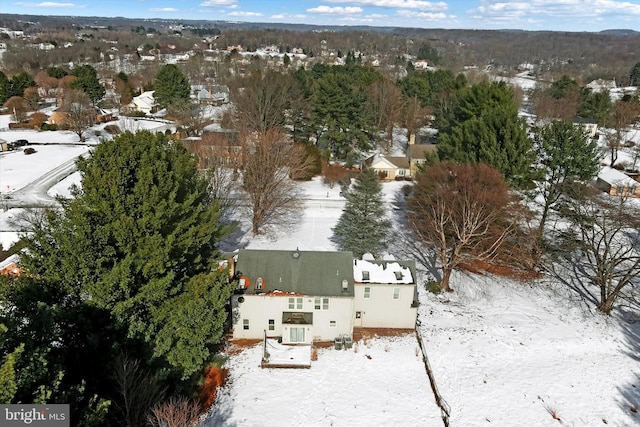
[338, 10]
[241, 14]
[288, 16]
[52, 4]
[396, 4]
[428, 16]
[216, 3]
[163, 9]
[500, 9]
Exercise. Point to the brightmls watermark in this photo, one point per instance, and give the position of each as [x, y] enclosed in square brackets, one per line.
[37, 415]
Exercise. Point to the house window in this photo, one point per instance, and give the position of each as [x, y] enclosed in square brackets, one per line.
[295, 303]
[332, 323]
[321, 303]
[245, 324]
[365, 275]
[272, 325]
[400, 172]
[367, 292]
[296, 334]
[396, 293]
[259, 283]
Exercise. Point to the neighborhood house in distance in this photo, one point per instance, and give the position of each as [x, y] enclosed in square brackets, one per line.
[301, 297]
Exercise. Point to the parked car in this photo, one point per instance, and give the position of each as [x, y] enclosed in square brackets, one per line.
[17, 143]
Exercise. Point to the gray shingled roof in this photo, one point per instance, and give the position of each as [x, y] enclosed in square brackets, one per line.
[308, 273]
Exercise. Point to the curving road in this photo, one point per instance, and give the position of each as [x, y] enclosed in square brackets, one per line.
[34, 194]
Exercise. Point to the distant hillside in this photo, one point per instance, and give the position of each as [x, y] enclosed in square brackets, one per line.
[620, 32]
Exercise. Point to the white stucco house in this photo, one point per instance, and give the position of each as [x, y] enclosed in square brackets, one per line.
[145, 102]
[301, 297]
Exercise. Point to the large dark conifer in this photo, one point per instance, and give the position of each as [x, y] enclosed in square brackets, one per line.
[363, 226]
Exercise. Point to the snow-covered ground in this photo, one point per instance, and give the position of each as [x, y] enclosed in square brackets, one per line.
[503, 353]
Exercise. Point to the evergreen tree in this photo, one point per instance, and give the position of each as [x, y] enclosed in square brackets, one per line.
[5, 88]
[597, 106]
[8, 386]
[171, 86]
[363, 227]
[564, 86]
[19, 82]
[634, 75]
[341, 111]
[484, 127]
[56, 72]
[566, 156]
[87, 81]
[139, 241]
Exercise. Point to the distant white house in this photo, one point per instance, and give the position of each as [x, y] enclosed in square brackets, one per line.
[589, 126]
[617, 183]
[215, 94]
[304, 296]
[600, 85]
[144, 102]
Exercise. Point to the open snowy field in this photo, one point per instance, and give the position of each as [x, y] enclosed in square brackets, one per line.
[503, 353]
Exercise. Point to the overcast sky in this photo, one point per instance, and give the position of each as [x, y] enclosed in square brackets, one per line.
[562, 15]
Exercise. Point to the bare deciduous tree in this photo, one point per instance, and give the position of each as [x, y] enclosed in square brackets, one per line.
[262, 99]
[464, 211]
[271, 164]
[177, 412]
[415, 116]
[79, 113]
[137, 391]
[604, 241]
[548, 107]
[219, 156]
[18, 107]
[623, 115]
[386, 101]
[191, 116]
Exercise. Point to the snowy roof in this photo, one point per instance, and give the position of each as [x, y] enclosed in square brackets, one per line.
[615, 177]
[388, 272]
[9, 261]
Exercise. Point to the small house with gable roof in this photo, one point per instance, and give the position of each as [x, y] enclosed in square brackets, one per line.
[617, 183]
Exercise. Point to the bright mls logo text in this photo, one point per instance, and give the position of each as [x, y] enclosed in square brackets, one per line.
[40, 415]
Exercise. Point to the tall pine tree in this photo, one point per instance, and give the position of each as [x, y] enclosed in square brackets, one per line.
[363, 226]
[484, 127]
[139, 241]
[171, 86]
